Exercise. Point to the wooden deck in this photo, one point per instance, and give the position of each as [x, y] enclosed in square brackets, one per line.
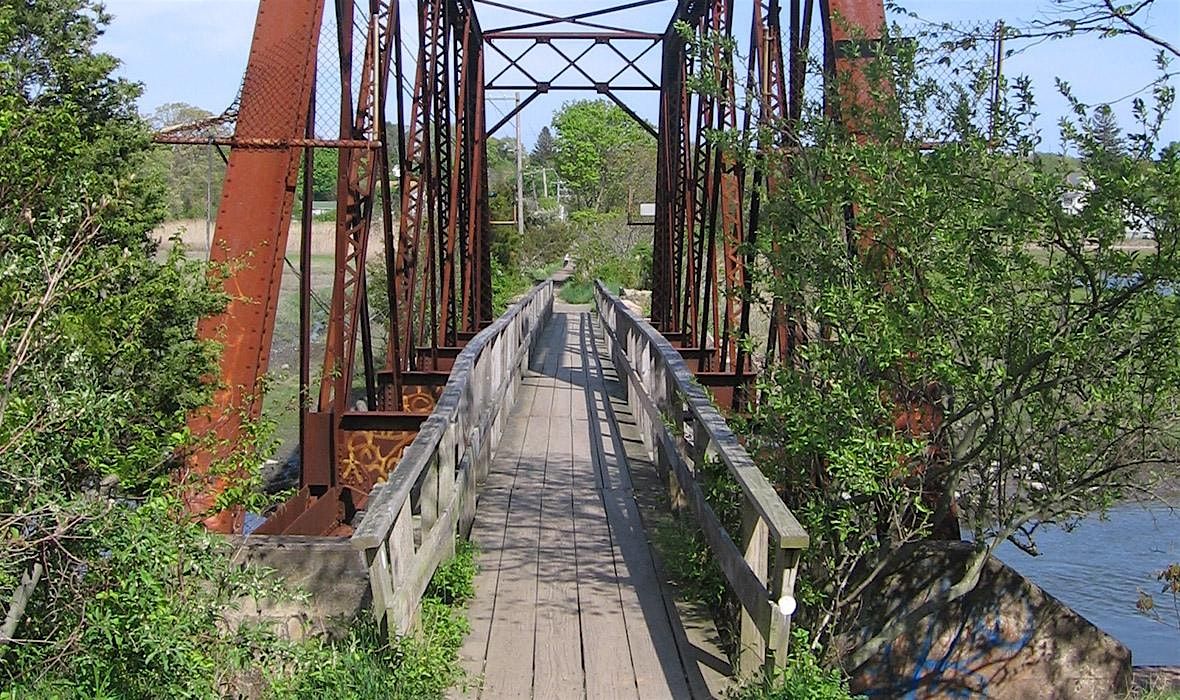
[568, 601]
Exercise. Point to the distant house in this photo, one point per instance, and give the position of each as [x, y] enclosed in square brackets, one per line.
[1073, 201]
[318, 208]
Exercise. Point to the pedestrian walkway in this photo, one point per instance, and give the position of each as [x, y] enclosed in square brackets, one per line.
[568, 601]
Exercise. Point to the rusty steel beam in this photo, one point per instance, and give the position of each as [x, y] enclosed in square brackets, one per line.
[253, 221]
[437, 252]
[261, 143]
[360, 177]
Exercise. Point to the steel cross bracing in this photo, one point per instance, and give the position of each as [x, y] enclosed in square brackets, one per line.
[434, 223]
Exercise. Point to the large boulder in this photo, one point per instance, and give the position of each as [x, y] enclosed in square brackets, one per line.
[1006, 639]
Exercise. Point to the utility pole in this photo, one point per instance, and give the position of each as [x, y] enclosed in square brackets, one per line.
[519, 174]
[545, 180]
[209, 199]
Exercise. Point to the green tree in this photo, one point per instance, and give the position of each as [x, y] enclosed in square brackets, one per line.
[325, 162]
[192, 174]
[602, 154]
[99, 364]
[545, 148]
[964, 348]
[1104, 128]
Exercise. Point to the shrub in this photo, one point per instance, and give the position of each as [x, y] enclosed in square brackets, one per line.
[803, 678]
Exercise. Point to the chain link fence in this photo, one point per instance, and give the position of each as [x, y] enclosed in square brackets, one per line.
[947, 77]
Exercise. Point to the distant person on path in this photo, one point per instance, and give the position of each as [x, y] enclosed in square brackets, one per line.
[566, 261]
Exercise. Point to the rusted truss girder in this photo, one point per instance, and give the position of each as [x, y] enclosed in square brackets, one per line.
[709, 202]
[442, 268]
[252, 225]
[437, 252]
[699, 272]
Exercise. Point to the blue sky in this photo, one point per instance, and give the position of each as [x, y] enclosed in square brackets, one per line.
[195, 51]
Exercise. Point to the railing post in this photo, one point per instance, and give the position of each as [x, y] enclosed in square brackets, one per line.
[783, 570]
[401, 560]
[701, 445]
[429, 501]
[752, 642]
[381, 583]
[446, 478]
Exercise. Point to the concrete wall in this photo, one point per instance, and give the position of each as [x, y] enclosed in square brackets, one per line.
[328, 570]
[1006, 639]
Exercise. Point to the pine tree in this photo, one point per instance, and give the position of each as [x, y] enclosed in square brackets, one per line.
[1105, 130]
[543, 150]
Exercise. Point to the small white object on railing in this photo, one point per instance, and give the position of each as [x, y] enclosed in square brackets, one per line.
[761, 571]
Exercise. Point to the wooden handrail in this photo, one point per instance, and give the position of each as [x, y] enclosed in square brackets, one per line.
[411, 519]
[681, 429]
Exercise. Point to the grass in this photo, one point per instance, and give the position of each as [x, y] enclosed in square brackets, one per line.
[578, 292]
[1173, 694]
[365, 666]
[544, 272]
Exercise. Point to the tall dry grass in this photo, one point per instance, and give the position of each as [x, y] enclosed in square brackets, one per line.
[191, 233]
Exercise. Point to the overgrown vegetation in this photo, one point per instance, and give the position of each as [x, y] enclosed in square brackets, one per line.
[689, 563]
[802, 678]
[100, 365]
[965, 350]
[107, 587]
[364, 666]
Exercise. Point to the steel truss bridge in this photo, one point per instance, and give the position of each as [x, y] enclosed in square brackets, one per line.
[444, 419]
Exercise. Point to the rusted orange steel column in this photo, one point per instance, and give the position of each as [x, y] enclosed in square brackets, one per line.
[853, 29]
[251, 236]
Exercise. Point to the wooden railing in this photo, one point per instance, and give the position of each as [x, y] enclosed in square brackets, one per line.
[681, 430]
[411, 519]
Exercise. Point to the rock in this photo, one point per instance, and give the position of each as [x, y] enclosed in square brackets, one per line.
[1006, 639]
[641, 297]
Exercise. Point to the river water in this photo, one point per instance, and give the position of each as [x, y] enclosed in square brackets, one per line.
[1099, 569]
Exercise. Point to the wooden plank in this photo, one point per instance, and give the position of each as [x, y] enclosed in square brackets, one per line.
[706, 664]
[659, 671]
[552, 343]
[584, 473]
[508, 670]
[559, 459]
[752, 641]
[605, 647]
[530, 469]
[399, 609]
[542, 401]
[558, 665]
[613, 471]
[487, 533]
[563, 396]
[506, 460]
